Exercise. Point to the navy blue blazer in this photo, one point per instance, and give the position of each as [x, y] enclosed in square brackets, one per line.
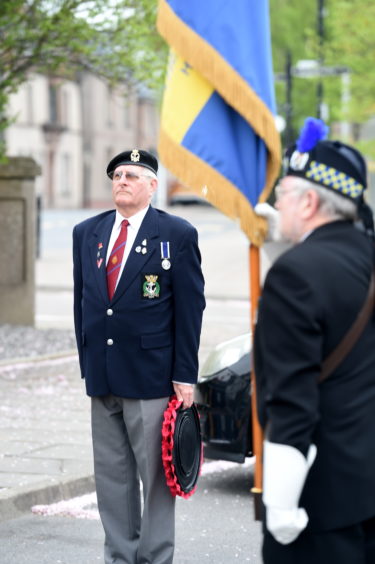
[135, 345]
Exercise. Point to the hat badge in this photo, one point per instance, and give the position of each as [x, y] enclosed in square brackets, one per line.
[135, 156]
[298, 160]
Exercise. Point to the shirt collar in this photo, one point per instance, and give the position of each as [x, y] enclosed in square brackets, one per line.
[305, 235]
[134, 221]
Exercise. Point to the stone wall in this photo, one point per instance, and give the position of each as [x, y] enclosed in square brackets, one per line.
[17, 240]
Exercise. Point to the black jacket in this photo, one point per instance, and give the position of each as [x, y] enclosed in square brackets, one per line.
[311, 297]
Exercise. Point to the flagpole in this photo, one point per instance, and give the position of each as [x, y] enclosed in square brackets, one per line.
[257, 433]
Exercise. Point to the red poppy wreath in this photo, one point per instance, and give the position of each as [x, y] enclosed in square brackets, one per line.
[182, 449]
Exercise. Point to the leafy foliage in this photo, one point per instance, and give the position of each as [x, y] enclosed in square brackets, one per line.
[348, 41]
[115, 39]
[352, 42]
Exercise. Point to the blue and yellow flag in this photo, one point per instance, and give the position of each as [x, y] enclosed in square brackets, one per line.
[218, 131]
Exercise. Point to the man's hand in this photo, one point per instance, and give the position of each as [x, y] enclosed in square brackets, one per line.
[184, 393]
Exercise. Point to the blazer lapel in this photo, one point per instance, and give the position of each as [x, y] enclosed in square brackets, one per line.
[98, 251]
[148, 231]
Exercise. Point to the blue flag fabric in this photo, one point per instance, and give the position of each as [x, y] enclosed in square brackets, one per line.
[218, 131]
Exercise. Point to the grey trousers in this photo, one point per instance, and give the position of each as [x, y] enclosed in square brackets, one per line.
[127, 446]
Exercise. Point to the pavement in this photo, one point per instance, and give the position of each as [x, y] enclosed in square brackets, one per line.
[45, 441]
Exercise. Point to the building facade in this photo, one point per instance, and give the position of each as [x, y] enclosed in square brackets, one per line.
[72, 129]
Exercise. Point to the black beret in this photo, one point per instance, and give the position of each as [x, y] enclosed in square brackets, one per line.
[137, 157]
[330, 164]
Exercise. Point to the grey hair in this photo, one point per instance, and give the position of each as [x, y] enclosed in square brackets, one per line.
[150, 174]
[331, 204]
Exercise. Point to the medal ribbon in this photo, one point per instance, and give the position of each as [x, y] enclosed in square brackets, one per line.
[164, 249]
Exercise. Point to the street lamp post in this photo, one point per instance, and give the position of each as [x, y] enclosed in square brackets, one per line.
[319, 88]
[288, 99]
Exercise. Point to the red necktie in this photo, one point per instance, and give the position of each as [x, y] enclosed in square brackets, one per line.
[115, 258]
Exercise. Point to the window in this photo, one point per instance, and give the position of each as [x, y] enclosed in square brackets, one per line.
[53, 110]
[65, 99]
[29, 104]
[65, 181]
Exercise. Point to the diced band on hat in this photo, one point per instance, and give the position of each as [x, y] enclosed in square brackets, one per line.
[137, 157]
[332, 178]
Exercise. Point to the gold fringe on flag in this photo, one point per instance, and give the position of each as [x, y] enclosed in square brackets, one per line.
[217, 189]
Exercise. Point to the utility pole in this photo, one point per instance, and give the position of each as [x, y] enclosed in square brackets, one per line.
[320, 27]
[288, 99]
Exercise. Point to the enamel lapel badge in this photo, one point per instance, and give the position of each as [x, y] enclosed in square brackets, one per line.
[142, 248]
[99, 259]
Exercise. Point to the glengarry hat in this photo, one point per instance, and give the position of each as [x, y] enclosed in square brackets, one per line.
[137, 157]
[182, 451]
[331, 164]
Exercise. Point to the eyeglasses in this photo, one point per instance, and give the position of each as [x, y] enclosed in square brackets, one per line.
[131, 176]
[280, 191]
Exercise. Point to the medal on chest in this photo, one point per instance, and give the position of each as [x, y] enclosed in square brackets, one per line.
[165, 255]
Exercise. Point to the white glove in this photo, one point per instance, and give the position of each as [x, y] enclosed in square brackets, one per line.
[272, 216]
[284, 475]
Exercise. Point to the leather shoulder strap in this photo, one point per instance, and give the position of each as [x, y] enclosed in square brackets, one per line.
[347, 343]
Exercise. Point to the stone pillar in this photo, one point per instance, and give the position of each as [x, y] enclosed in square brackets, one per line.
[17, 240]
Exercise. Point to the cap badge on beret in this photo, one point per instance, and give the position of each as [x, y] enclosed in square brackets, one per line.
[135, 156]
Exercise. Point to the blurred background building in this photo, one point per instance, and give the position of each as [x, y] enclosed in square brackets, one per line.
[72, 129]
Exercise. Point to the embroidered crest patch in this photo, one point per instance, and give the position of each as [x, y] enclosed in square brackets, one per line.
[151, 286]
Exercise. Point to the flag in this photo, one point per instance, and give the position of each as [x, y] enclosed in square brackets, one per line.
[217, 130]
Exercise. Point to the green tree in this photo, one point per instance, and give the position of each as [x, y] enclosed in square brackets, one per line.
[348, 42]
[352, 42]
[116, 40]
[294, 33]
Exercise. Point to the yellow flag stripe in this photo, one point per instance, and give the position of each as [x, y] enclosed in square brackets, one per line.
[186, 93]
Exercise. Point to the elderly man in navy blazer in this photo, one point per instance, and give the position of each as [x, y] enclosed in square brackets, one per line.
[138, 305]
